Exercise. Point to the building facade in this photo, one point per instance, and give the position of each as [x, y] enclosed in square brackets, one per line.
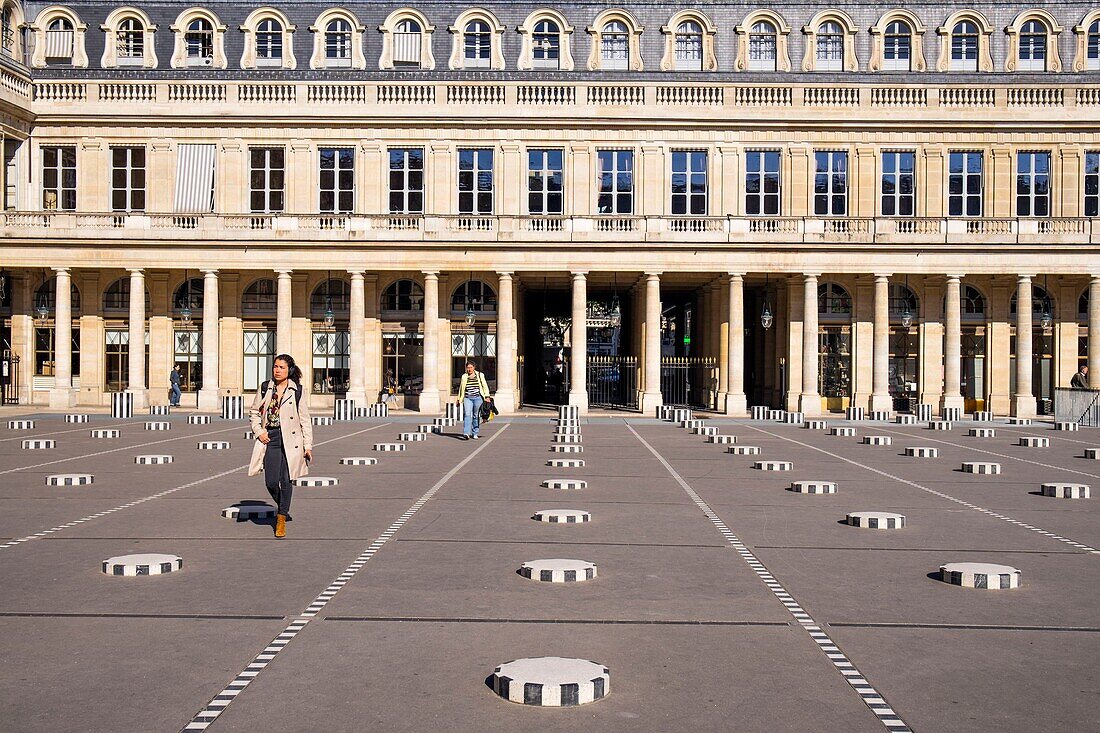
[716, 204]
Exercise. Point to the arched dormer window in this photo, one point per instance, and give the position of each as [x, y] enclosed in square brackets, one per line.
[973, 304]
[337, 41]
[268, 40]
[830, 43]
[964, 43]
[406, 41]
[902, 300]
[762, 42]
[833, 301]
[474, 295]
[200, 40]
[128, 40]
[59, 39]
[897, 43]
[403, 296]
[545, 42]
[11, 18]
[689, 43]
[1033, 42]
[476, 41]
[332, 293]
[616, 42]
[1087, 57]
[260, 298]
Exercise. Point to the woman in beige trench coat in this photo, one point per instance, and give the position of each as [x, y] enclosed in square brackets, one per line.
[284, 434]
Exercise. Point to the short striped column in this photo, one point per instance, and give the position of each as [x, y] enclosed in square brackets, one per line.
[876, 520]
[854, 413]
[981, 467]
[38, 444]
[794, 418]
[20, 424]
[877, 440]
[982, 432]
[939, 425]
[758, 412]
[158, 425]
[773, 466]
[983, 416]
[1071, 427]
[160, 410]
[105, 433]
[214, 445]
[924, 413]
[921, 451]
[880, 416]
[816, 425]
[1066, 491]
[551, 681]
[122, 405]
[198, 419]
[76, 418]
[951, 414]
[322, 420]
[987, 576]
[1019, 421]
[813, 487]
[143, 564]
[233, 407]
[343, 410]
[905, 419]
[454, 412]
[1093, 454]
[843, 432]
[1032, 441]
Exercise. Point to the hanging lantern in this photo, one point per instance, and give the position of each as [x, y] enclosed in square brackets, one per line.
[1046, 320]
[42, 311]
[615, 317]
[766, 318]
[329, 316]
[185, 313]
[906, 317]
[471, 317]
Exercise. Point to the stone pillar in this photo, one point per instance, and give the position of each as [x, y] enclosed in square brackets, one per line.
[429, 395]
[952, 344]
[505, 397]
[211, 340]
[284, 314]
[880, 383]
[1023, 401]
[137, 338]
[578, 362]
[809, 402]
[1094, 332]
[651, 397]
[62, 394]
[736, 402]
[357, 327]
[721, 341]
[372, 359]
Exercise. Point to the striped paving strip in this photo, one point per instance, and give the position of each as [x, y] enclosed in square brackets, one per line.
[967, 504]
[205, 717]
[144, 499]
[870, 696]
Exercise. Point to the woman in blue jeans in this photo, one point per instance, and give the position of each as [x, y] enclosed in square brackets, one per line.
[473, 391]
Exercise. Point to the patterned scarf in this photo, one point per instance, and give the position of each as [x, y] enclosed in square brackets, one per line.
[271, 412]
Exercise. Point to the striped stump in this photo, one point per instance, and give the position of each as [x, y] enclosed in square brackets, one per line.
[444, 422]
[922, 452]
[939, 425]
[245, 512]
[1019, 421]
[568, 411]
[70, 479]
[924, 413]
[567, 430]
[813, 487]
[142, 564]
[1093, 454]
[389, 447]
[567, 449]
[564, 484]
[722, 439]
[570, 422]
[105, 433]
[214, 445]
[758, 412]
[854, 413]
[343, 410]
[980, 575]
[679, 414]
[122, 405]
[315, 481]
[322, 420]
[358, 461]
[558, 570]
[951, 414]
[566, 463]
[551, 681]
[692, 423]
[983, 416]
[777, 415]
[982, 432]
[879, 416]
[562, 516]
[661, 412]
[438, 429]
[76, 418]
[794, 418]
[378, 409]
[981, 467]
[413, 437]
[249, 435]
[743, 450]
[1071, 427]
[1034, 442]
[843, 432]
[706, 430]
[20, 424]
[152, 460]
[877, 440]
[905, 419]
[566, 438]
[773, 466]
[816, 425]
[453, 411]
[158, 426]
[1066, 491]
[876, 520]
[198, 419]
[160, 410]
[38, 444]
[233, 407]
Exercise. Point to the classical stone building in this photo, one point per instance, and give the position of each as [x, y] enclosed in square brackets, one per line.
[715, 203]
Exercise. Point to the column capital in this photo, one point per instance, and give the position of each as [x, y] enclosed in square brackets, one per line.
[1022, 278]
[283, 272]
[136, 271]
[505, 273]
[956, 278]
[356, 274]
[210, 273]
[1094, 276]
[883, 276]
[579, 274]
[430, 274]
[735, 275]
[808, 275]
[652, 275]
[62, 270]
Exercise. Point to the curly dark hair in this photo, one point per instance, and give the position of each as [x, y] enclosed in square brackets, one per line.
[294, 372]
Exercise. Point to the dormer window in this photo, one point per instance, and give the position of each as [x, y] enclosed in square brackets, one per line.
[614, 46]
[477, 41]
[338, 44]
[199, 42]
[269, 43]
[546, 45]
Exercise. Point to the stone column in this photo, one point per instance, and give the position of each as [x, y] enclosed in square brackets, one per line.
[880, 382]
[284, 313]
[62, 394]
[809, 402]
[137, 338]
[578, 362]
[372, 327]
[952, 344]
[736, 402]
[211, 340]
[1023, 401]
[1094, 332]
[357, 327]
[651, 397]
[721, 341]
[429, 395]
[505, 397]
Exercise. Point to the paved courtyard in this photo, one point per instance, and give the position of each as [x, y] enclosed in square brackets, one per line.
[723, 600]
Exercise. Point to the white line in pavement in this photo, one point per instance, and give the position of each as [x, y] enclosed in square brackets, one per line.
[1024, 429]
[87, 427]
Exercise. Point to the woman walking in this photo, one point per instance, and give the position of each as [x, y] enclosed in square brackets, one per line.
[473, 391]
[284, 435]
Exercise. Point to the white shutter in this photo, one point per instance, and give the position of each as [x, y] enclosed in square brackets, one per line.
[406, 48]
[195, 179]
[59, 44]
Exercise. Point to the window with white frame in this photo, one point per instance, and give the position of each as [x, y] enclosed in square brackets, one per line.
[59, 178]
[128, 178]
[545, 183]
[1092, 47]
[830, 47]
[762, 46]
[130, 42]
[614, 46]
[7, 31]
[406, 180]
[1033, 183]
[762, 183]
[964, 46]
[407, 40]
[338, 44]
[546, 45]
[199, 42]
[689, 46]
[267, 180]
[898, 196]
[337, 180]
[1033, 47]
[188, 345]
[897, 49]
[475, 181]
[831, 183]
[615, 179]
[60, 37]
[331, 359]
[259, 353]
[964, 183]
[689, 182]
[477, 43]
[269, 43]
[1092, 183]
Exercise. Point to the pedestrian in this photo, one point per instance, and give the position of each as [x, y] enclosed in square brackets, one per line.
[1081, 378]
[174, 391]
[473, 390]
[284, 435]
[389, 390]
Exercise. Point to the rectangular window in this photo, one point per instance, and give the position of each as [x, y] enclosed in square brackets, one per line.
[337, 182]
[1092, 183]
[1033, 184]
[331, 355]
[896, 52]
[689, 182]
[964, 52]
[762, 52]
[615, 177]
[195, 178]
[830, 52]
[545, 187]
[59, 178]
[964, 184]
[475, 181]
[259, 352]
[481, 349]
[189, 357]
[762, 183]
[1093, 61]
[128, 179]
[44, 357]
[267, 180]
[406, 180]
[898, 195]
[831, 183]
[11, 175]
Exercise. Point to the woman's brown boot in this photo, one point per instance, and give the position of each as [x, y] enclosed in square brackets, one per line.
[280, 525]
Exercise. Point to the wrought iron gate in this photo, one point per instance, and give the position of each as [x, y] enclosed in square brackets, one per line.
[689, 382]
[9, 378]
[612, 381]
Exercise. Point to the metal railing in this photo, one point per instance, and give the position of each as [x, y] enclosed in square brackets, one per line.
[1081, 406]
[612, 381]
[689, 382]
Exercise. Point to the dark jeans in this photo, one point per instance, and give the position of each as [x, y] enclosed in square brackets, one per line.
[277, 472]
